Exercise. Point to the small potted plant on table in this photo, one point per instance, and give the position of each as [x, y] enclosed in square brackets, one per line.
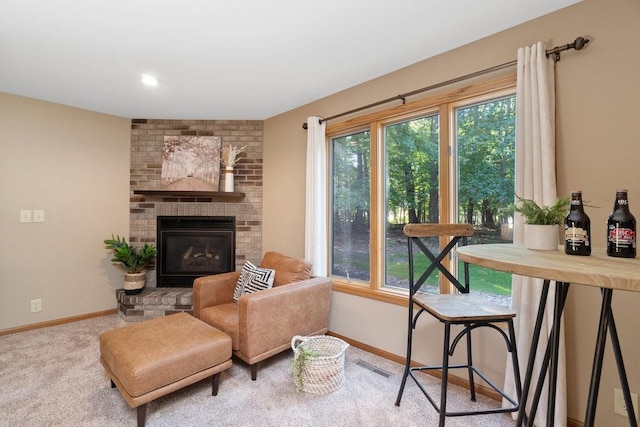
[542, 222]
[133, 259]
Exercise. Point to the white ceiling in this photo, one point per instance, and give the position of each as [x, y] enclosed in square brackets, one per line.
[231, 59]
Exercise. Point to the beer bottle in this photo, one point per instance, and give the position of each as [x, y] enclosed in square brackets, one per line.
[621, 228]
[577, 228]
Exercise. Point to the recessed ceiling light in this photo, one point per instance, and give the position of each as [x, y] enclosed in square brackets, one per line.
[149, 80]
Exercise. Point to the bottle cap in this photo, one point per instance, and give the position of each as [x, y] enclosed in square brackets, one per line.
[576, 191]
[622, 191]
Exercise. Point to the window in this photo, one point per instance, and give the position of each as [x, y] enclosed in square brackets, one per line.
[351, 206]
[447, 159]
[411, 190]
[485, 160]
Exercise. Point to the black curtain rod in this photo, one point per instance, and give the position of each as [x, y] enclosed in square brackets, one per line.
[578, 44]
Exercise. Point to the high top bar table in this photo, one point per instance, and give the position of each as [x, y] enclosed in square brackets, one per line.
[599, 270]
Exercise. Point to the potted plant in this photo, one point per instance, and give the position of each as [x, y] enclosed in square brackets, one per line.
[541, 223]
[133, 259]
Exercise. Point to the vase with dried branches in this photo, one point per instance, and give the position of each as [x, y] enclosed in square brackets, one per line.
[230, 156]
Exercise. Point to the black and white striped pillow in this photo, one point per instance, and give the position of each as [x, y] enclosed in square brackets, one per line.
[253, 279]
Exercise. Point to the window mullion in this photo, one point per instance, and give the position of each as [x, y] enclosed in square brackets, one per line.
[377, 220]
[446, 185]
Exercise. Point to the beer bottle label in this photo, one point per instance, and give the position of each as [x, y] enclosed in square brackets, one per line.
[622, 237]
[576, 236]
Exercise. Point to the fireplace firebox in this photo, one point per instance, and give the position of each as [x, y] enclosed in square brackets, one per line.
[193, 246]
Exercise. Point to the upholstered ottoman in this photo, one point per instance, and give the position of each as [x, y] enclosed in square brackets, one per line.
[150, 359]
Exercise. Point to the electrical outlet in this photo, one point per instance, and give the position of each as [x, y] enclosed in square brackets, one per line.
[36, 305]
[618, 403]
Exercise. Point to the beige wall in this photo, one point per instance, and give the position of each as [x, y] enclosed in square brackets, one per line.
[74, 165]
[598, 151]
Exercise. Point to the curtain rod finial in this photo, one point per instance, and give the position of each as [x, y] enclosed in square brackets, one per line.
[305, 126]
[580, 43]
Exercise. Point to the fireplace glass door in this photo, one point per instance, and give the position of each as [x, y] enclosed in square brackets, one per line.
[191, 247]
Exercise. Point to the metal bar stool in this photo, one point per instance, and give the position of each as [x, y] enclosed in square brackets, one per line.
[461, 308]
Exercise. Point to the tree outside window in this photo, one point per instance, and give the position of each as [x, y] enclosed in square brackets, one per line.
[394, 171]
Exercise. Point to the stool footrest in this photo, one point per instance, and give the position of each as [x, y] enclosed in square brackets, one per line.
[514, 408]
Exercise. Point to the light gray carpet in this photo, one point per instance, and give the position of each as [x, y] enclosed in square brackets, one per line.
[53, 377]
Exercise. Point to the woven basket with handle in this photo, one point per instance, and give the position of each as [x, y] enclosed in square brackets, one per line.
[318, 363]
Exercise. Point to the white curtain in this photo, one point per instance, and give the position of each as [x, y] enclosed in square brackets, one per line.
[536, 180]
[315, 242]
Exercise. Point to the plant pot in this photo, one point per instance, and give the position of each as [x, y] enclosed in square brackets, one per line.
[133, 283]
[541, 237]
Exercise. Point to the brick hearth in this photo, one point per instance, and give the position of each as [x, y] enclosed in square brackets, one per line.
[154, 302]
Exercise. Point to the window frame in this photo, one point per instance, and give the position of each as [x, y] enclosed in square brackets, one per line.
[444, 105]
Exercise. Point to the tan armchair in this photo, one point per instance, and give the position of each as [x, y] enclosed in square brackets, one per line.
[262, 324]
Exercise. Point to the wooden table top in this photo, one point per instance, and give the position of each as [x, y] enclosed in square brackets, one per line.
[598, 269]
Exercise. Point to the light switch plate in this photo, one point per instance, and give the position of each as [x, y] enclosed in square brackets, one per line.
[25, 215]
[38, 215]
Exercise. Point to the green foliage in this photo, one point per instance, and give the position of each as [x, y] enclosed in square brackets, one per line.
[351, 178]
[412, 169]
[300, 360]
[351, 185]
[485, 150]
[545, 215]
[133, 259]
[486, 159]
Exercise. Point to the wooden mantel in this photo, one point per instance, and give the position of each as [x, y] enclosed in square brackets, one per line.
[211, 194]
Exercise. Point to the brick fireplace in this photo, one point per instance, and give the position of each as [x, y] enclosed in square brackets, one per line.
[193, 246]
[147, 139]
